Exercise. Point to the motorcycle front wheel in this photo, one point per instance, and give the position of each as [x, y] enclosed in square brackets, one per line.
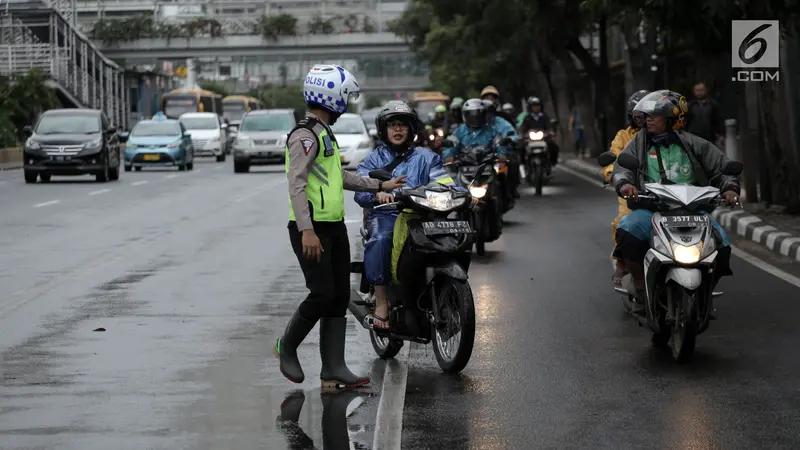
[385, 348]
[454, 338]
[539, 179]
[684, 327]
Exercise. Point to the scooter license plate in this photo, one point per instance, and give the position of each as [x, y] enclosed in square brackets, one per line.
[446, 227]
[685, 221]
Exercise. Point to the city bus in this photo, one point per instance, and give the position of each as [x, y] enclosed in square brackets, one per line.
[426, 102]
[181, 101]
[234, 107]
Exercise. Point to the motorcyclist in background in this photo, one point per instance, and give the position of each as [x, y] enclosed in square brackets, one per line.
[455, 114]
[506, 130]
[684, 159]
[636, 122]
[493, 95]
[396, 125]
[508, 111]
[536, 119]
[475, 130]
[440, 117]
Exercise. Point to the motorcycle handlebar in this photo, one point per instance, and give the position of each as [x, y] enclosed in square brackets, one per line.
[392, 205]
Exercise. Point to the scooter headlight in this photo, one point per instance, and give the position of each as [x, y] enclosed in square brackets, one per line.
[477, 191]
[439, 201]
[536, 135]
[686, 254]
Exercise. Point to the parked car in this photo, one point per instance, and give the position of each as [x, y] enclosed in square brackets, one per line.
[261, 138]
[157, 143]
[209, 133]
[354, 139]
[71, 142]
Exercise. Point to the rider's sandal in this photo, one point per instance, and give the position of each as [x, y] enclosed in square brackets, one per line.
[375, 319]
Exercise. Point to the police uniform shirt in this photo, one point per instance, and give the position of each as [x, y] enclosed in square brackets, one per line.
[303, 147]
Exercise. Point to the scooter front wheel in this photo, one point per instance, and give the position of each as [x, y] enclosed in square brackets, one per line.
[385, 347]
[454, 338]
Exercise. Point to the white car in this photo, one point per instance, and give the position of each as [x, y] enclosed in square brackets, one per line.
[209, 134]
[354, 139]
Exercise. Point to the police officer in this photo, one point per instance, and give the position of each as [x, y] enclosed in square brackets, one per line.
[316, 226]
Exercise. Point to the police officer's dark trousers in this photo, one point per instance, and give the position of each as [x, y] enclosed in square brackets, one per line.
[328, 281]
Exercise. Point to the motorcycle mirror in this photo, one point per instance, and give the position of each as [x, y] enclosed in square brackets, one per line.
[732, 168]
[606, 159]
[628, 161]
[380, 174]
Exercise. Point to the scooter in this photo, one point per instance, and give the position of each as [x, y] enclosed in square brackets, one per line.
[431, 300]
[537, 160]
[680, 266]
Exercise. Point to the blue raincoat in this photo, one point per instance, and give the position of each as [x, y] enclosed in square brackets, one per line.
[465, 136]
[420, 167]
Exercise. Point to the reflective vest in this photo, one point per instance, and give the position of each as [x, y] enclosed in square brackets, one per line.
[325, 189]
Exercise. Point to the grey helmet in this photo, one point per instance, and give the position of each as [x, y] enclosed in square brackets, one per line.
[396, 110]
[474, 113]
[508, 108]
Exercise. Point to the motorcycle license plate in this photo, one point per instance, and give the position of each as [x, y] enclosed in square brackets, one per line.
[446, 227]
[684, 221]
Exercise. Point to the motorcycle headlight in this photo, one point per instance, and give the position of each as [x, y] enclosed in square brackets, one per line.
[536, 135]
[431, 137]
[686, 254]
[439, 201]
[440, 132]
[477, 191]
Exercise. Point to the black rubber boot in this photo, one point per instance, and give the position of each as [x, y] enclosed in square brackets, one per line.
[286, 347]
[334, 418]
[287, 421]
[334, 373]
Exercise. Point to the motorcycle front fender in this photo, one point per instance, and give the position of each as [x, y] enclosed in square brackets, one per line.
[688, 278]
[449, 269]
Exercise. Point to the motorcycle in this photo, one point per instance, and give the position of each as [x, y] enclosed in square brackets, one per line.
[536, 169]
[436, 140]
[478, 170]
[680, 265]
[433, 301]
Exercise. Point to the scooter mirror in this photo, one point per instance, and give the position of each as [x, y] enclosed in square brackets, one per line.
[606, 159]
[628, 161]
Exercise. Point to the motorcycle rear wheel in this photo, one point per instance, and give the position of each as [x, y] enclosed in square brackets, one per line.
[454, 292]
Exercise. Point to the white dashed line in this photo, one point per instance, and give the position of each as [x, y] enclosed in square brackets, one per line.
[139, 183]
[101, 191]
[51, 202]
[260, 189]
[168, 177]
[218, 167]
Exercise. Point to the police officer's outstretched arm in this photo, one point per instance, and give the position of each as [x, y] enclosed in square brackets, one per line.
[303, 147]
[371, 162]
[353, 182]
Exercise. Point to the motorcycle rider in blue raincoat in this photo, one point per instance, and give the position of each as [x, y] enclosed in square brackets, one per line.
[476, 130]
[397, 123]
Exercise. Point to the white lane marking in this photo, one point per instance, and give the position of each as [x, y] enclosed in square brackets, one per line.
[51, 202]
[389, 420]
[260, 189]
[580, 175]
[139, 183]
[218, 168]
[757, 262]
[101, 191]
[765, 266]
[171, 176]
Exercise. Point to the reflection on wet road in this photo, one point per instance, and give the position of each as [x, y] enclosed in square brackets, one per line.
[143, 316]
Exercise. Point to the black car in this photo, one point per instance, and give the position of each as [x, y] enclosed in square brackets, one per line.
[72, 142]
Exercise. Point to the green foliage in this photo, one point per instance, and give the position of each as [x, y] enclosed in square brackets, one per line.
[214, 86]
[21, 101]
[111, 31]
[318, 25]
[274, 27]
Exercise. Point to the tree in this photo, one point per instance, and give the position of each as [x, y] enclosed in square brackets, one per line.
[273, 27]
[318, 25]
[21, 101]
[213, 86]
[367, 25]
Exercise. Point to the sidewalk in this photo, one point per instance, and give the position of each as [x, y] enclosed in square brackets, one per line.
[768, 227]
[11, 165]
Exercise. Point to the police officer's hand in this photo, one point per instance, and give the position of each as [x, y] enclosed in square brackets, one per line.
[385, 197]
[391, 185]
[629, 191]
[312, 247]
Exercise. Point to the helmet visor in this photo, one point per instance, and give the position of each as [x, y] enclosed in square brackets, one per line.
[655, 104]
[475, 118]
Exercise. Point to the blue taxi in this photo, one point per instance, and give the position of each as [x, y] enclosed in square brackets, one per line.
[158, 142]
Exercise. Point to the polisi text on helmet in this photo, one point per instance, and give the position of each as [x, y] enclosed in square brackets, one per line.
[315, 81]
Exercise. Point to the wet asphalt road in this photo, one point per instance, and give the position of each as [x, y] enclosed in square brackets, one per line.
[192, 277]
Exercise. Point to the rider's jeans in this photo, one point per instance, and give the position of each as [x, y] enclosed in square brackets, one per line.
[378, 248]
[638, 224]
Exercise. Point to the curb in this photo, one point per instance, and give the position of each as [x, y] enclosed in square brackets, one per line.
[751, 227]
[11, 167]
[738, 221]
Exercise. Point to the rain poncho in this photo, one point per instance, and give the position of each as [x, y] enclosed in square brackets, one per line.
[420, 167]
[465, 136]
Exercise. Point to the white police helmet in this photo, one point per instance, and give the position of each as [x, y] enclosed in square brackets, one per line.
[330, 87]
